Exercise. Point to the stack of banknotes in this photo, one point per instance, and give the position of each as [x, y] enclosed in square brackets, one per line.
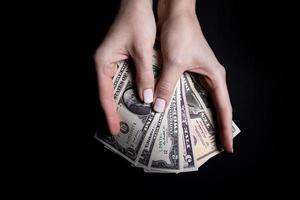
[181, 139]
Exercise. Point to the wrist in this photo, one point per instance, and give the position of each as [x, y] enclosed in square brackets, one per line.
[167, 8]
[135, 4]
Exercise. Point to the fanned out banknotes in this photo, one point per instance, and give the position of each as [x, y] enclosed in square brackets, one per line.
[181, 139]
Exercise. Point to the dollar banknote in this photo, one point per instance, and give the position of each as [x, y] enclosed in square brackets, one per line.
[201, 120]
[180, 139]
[165, 154]
[136, 117]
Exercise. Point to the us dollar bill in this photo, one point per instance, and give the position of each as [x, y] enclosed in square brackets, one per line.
[188, 143]
[201, 127]
[207, 103]
[121, 68]
[201, 121]
[136, 117]
[149, 141]
[166, 154]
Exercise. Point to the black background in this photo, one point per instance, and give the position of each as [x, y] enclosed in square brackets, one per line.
[247, 38]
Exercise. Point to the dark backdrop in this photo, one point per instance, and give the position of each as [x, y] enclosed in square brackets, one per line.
[246, 37]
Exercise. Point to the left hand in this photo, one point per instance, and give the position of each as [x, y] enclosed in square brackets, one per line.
[184, 48]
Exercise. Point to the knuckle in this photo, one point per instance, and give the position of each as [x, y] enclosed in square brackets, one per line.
[98, 58]
[165, 88]
[174, 61]
[141, 50]
[217, 74]
[230, 107]
[145, 78]
[222, 71]
[105, 102]
[226, 109]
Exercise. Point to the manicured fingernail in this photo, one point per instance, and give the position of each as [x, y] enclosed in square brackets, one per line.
[159, 105]
[148, 96]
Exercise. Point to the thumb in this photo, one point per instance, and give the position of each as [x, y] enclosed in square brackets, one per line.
[166, 86]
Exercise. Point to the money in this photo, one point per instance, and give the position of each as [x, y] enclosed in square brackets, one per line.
[166, 152]
[136, 117]
[181, 139]
[202, 125]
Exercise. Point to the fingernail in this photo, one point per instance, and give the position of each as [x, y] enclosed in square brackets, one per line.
[231, 150]
[148, 96]
[159, 105]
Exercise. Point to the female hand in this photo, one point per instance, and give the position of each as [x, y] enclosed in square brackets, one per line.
[132, 34]
[184, 48]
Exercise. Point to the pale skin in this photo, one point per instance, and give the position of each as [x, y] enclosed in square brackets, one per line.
[183, 47]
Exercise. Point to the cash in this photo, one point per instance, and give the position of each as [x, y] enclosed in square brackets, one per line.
[181, 139]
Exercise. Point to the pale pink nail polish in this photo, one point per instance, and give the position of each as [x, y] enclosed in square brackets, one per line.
[148, 96]
[159, 105]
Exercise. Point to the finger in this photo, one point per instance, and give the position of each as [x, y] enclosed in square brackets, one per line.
[144, 75]
[165, 87]
[107, 98]
[224, 116]
[221, 100]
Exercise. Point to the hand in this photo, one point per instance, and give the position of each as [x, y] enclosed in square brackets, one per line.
[132, 34]
[184, 48]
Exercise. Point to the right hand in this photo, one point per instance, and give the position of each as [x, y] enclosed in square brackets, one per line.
[131, 35]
